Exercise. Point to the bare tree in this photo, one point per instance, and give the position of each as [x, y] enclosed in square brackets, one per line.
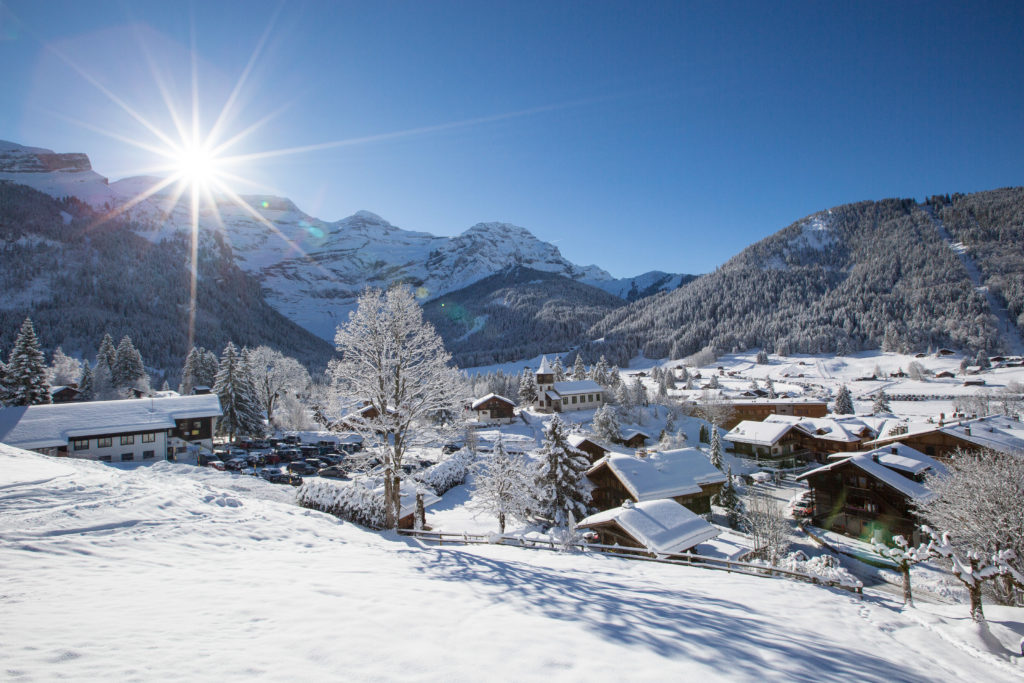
[978, 500]
[275, 374]
[764, 521]
[714, 408]
[905, 557]
[395, 366]
[503, 486]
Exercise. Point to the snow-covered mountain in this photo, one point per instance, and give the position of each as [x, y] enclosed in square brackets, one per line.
[313, 270]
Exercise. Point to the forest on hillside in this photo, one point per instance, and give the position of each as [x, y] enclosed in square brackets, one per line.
[79, 277]
[860, 276]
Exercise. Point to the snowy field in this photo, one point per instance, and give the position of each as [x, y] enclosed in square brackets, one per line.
[175, 572]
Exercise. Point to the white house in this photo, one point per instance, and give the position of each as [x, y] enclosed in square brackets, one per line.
[557, 397]
[144, 429]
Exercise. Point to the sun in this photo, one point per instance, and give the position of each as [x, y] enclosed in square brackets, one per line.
[197, 165]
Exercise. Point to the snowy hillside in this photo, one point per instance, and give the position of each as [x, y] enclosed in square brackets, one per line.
[652, 282]
[172, 571]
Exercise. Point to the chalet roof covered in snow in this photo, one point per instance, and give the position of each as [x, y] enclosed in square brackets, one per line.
[480, 401]
[885, 466]
[664, 474]
[582, 386]
[847, 429]
[662, 526]
[774, 401]
[51, 426]
[758, 433]
[576, 439]
[997, 432]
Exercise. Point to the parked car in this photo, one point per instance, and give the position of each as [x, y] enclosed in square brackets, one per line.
[334, 472]
[331, 458]
[235, 464]
[309, 451]
[216, 464]
[801, 505]
[301, 467]
[292, 439]
[450, 448]
[207, 458]
[256, 460]
[289, 454]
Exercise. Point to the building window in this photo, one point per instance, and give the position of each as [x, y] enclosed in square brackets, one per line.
[104, 442]
[148, 438]
[197, 424]
[565, 400]
[574, 400]
[127, 456]
[80, 444]
[148, 455]
[104, 458]
[128, 440]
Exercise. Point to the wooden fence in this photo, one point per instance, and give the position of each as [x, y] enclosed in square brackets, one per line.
[640, 554]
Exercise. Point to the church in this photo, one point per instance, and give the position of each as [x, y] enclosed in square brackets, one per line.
[558, 397]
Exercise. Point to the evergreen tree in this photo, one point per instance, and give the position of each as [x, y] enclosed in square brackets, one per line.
[599, 371]
[881, 404]
[209, 366]
[85, 384]
[606, 424]
[729, 499]
[716, 448]
[237, 400]
[614, 377]
[769, 386]
[560, 477]
[107, 354]
[754, 386]
[25, 378]
[702, 435]
[579, 371]
[102, 386]
[189, 371]
[624, 397]
[684, 374]
[844, 402]
[558, 370]
[128, 370]
[762, 357]
[713, 384]
[982, 361]
[527, 388]
[639, 392]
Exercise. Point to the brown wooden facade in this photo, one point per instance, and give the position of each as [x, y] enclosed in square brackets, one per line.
[936, 444]
[593, 450]
[496, 408]
[850, 501]
[757, 411]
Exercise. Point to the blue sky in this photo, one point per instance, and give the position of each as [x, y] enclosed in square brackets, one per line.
[636, 136]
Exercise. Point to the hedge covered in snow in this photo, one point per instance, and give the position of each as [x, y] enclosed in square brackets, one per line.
[823, 566]
[448, 473]
[351, 501]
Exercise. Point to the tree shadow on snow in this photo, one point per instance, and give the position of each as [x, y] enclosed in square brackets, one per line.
[738, 639]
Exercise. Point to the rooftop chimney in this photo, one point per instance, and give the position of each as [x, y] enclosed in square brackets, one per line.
[894, 450]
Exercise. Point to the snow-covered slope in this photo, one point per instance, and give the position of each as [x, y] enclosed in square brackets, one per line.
[312, 269]
[651, 282]
[171, 571]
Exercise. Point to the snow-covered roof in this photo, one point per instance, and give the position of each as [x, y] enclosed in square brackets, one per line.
[773, 401]
[845, 429]
[51, 426]
[758, 433]
[664, 474]
[662, 526]
[544, 368]
[634, 433]
[553, 395]
[997, 432]
[480, 401]
[582, 386]
[885, 465]
[576, 439]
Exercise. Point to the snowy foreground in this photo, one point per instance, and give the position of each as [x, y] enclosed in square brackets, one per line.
[172, 571]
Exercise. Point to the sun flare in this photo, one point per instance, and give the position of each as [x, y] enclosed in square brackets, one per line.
[196, 165]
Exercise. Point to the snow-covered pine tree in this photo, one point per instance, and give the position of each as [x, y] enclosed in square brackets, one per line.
[599, 371]
[107, 354]
[844, 402]
[558, 370]
[606, 424]
[769, 386]
[684, 374]
[527, 388]
[624, 398]
[85, 384]
[614, 377]
[128, 370]
[102, 386]
[560, 483]
[762, 357]
[729, 499]
[713, 384]
[236, 399]
[639, 392]
[982, 361]
[579, 370]
[189, 371]
[715, 450]
[25, 378]
[881, 404]
[754, 386]
[206, 372]
[702, 435]
[503, 486]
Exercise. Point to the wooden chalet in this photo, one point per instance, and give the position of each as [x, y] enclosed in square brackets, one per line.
[65, 394]
[758, 409]
[772, 444]
[871, 493]
[494, 409]
[661, 527]
[591, 448]
[942, 440]
[685, 475]
[635, 439]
